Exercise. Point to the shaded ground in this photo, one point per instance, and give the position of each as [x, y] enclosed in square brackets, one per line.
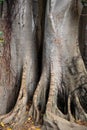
[28, 125]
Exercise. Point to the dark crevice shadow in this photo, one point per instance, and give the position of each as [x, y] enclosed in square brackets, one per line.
[15, 92]
[83, 35]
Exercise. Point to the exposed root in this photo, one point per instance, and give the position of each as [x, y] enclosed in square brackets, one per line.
[54, 122]
[52, 100]
[52, 103]
[80, 114]
[15, 115]
[54, 90]
[40, 97]
[70, 116]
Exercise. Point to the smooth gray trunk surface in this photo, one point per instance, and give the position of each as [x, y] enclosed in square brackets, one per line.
[55, 90]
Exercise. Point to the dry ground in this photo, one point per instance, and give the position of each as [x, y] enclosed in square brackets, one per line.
[28, 125]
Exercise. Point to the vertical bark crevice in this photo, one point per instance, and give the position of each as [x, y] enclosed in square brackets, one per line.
[39, 25]
[83, 34]
[45, 71]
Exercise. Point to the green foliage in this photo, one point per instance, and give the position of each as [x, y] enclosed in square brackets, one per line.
[1, 37]
[1, 1]
[1, 33]
[84, 2]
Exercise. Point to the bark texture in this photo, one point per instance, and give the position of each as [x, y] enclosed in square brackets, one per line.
[54, 92]
[20, 46]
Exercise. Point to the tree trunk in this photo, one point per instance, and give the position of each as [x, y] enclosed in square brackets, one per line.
[16, 53]
[60, 95]
[63, 73]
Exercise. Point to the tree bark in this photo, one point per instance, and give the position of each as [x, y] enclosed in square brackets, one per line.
[19, 48]
[63, 72]
[60, 95]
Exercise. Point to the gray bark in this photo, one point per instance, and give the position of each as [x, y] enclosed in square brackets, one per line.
[62, 66]
[57, 93]
[13, 53]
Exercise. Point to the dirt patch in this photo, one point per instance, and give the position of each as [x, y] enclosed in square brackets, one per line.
[28, 125]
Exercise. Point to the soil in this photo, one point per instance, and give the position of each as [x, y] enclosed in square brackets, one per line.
[28, 125]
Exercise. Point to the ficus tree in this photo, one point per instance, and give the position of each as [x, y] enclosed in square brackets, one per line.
[43, 63]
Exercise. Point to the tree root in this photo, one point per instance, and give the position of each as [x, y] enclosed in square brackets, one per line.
[78, 109]
[40, 101]
[40, 97]
[52, 101]
[55, 88]
[82, 116]
[54, 122]
[70, 116]
[15, 116]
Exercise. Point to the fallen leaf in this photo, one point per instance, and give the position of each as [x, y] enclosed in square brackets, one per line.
[38, 129]
[2, 124]
[9, 129]
[29, 118]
